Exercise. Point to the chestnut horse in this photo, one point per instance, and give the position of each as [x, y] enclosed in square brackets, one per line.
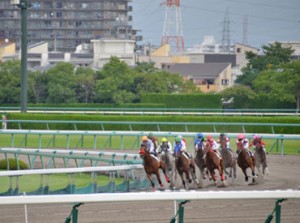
[152, 165]
[212, 162]
[229, 160]
[245, 161]
[260, 158]
[186, 166]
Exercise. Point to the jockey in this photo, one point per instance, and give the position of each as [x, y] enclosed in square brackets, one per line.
[149, 144]
[179, 146]
[213, 144]
[242, 143]
[165, 146]
[223, 136]
[154, 140]
[257, 141]
[184, 140]
[198, 143]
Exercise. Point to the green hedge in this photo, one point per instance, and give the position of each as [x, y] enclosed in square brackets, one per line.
[13, 165]
[165, 118]
[184, 100]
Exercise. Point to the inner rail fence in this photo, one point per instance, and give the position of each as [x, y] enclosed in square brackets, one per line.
[154, 126]
[129, 183]
[119, 140]
[155, 111]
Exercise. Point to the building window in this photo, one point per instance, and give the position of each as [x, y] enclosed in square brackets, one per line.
[225, 81]
[238, 50]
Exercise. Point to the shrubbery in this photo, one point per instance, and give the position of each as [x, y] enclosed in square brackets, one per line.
[13, 165]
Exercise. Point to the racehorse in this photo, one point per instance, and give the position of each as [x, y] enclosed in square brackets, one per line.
[170, 166]
[229, 160]
[212, 162]
[199, 159]
[152, 165]
[245, 161]
[260, 158]
[186, 166]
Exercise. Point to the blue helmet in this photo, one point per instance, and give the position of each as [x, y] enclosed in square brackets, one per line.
[199, 135]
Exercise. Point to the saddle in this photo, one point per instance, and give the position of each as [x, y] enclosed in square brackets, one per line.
[156, 157]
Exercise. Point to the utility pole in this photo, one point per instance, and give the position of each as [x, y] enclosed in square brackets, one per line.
[23, 5]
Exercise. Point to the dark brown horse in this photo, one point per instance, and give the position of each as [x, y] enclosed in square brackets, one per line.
[200, 160]
[245, 161]
[260, 158]
[212, 162]
[186, 166]
[229, 160]
[152, 165]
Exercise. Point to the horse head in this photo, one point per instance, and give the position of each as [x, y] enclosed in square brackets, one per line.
[143, 150]
[223, 143]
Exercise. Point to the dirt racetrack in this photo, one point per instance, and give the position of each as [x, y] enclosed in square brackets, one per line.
[284, 174]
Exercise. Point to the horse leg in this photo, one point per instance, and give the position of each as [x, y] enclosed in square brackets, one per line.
[245, 173]
[212, 173]
[151, 181]
[163, 167]
[234, 168]
[182, 179]
[158, 178]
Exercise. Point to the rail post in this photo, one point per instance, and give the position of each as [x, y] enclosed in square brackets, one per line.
[277, 211]
[180, 213]
[74, 214]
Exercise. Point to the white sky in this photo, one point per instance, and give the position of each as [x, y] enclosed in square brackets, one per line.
[268, 20]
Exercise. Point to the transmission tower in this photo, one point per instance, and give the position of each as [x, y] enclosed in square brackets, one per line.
[226, 33]
[245, 30]
[172, 31]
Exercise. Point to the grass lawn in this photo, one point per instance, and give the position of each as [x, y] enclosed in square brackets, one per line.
[30, 183]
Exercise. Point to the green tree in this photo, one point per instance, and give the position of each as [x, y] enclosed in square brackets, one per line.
[85, 84]
[10, 82]
[273, 56]
[242, 96]
[37, 87]
[281, 84]
[61, 83]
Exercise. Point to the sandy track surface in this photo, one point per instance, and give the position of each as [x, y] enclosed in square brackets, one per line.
[284, 174]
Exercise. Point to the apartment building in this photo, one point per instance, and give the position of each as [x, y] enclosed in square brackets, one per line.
[65, 24]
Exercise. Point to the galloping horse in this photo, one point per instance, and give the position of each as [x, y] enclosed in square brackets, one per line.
[170, 166]
[229, 160]
[260, 158]
[185, 165]
[245, 161]
[152, 166]
[212, 162]
[199, 159]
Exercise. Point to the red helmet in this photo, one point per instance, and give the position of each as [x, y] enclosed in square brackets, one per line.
[241, 136]
[208, 137]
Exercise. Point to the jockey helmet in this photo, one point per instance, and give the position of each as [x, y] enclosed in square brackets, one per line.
[144, 138]
[209, 137]
[177, 139]
[199, 135]
[256, 137]
[241, 136]
[150, 135]
[222, 134]
[164, 139]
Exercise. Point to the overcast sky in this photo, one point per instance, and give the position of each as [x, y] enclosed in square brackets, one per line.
[268, 20]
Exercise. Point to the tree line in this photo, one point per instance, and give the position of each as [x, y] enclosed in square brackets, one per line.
[270, 79]
[64, 83]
